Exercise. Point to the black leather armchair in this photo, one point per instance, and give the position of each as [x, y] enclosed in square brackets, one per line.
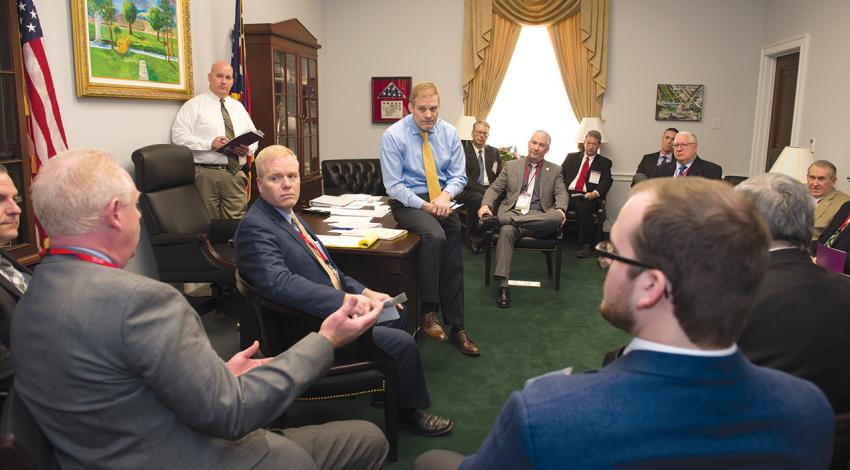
[360, 368]
[188, 246]
[23, 445]
[353, 175]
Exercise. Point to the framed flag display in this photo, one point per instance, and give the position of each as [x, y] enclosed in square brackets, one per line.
[390, 96]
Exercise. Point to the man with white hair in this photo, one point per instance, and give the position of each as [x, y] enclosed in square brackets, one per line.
[131, 380]
[686, 161]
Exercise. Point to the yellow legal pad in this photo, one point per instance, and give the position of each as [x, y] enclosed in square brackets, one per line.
[349, 241]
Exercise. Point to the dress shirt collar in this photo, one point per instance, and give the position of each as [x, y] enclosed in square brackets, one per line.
[478, 149]
[213, 96]
[92, 252]
[286, 215]
[638, 344]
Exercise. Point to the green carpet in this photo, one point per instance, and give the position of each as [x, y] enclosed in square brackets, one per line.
[544, 330]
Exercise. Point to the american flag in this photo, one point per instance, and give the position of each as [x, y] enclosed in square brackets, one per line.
[240, 90]
[44, 121]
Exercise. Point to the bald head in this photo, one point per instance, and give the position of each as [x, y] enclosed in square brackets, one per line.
[220, 78]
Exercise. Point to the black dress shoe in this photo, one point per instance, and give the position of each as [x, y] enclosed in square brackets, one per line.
[504, 299]
[424, 423]
[475, 245]
[489, 224]
[585, 251]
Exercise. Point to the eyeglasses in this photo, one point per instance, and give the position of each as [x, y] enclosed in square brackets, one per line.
[605, 256]
[484, 133]
[681, 146]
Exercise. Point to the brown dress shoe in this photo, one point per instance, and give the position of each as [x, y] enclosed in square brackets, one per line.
[431, 327]
[426, 424]
[466, 346]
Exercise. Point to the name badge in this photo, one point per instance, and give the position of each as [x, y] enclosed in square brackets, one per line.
[495, 166]
[594, 177]
[524, 201]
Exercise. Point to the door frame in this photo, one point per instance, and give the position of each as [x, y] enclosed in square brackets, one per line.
[764, 97]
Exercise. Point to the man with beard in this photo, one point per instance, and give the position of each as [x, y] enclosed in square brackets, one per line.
[682, 396]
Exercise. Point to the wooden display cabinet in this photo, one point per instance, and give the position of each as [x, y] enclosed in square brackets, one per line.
[283, 74]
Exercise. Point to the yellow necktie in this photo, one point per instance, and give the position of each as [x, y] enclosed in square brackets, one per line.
[320, 257]
[430, 168]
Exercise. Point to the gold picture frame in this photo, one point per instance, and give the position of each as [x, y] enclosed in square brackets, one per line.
[149, 57]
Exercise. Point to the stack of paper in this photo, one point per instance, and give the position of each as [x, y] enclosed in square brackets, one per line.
[345, 241]
[383, 233]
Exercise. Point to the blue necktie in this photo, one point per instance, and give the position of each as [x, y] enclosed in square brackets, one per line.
[481, 167]
[682, 169]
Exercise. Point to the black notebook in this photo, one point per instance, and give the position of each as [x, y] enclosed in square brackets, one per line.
[245, 139]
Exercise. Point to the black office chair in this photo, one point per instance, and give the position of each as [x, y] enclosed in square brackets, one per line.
[549, 246]
[188, 246]
[360, 368]
[23, 445]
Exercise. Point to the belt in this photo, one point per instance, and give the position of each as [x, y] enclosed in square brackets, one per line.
[212, 166]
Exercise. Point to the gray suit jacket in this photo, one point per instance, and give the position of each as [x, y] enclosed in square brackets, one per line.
[553, 193]
[118, 372]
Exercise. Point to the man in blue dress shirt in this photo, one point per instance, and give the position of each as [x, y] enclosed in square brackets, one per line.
[424, 168]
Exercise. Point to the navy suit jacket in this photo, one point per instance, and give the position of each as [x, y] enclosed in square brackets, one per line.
[272, 256]
[572, 165]
[699, 167]
[657, 410]
[648, 163]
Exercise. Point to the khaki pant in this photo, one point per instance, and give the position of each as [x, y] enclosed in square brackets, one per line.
[223, 193]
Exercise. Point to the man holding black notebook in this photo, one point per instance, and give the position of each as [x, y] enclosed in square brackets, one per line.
[205, 124]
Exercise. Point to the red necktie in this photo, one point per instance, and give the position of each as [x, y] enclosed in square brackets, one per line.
[582, 175]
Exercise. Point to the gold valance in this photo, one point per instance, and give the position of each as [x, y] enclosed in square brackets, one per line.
[536, 12]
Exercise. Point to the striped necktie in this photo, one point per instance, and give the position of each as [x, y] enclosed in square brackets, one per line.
[232, 160]
[317, 253]
[13, 275]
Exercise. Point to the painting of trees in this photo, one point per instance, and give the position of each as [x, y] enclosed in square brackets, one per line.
[130, 14]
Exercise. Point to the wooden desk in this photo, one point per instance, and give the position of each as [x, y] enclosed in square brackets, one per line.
[386, 266]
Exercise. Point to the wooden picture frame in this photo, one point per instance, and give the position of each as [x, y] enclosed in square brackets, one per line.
[148, 58]
[390, 96]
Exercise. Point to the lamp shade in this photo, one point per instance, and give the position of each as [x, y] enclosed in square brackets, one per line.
[464, 127]
[588, 124]
[794, 162]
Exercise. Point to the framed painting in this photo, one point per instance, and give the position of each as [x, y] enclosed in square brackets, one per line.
[679, 102]
[390, 96]
[133, 48]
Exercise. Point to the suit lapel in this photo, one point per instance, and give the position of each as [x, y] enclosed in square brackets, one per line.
[6, 283]
[287, 227]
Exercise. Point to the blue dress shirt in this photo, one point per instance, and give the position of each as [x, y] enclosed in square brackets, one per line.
[404, 169]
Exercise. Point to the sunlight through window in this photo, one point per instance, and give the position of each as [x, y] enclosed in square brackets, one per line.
[533, 97]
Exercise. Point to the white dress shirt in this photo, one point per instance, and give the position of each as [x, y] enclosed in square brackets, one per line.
[199, 122]
[572, 186]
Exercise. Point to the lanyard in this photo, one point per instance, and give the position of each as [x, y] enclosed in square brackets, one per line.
[83, 256]
[525, 176]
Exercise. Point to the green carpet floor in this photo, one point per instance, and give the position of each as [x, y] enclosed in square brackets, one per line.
[544, 330]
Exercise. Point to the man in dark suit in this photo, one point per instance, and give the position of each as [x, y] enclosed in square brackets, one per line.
[682, 395]
[650, 161]
[801, 315]
[482, 166]
[116, 368]
[837, 235]
[14, 277]
[688, 163]
[287, 263]
[587, 176]
[535, 203]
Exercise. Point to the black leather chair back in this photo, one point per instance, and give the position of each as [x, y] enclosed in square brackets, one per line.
[23, 444]
[165, 175]
[353, 175]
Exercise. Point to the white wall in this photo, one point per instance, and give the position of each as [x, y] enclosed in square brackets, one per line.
[121, 125]
[825, 97]
[374, 38]
[711, 42]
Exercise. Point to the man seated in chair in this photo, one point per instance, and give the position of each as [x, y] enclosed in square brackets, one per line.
[286, 262]
[116, 368]
[482, 166]
[535, 204]
[683, 395]
[588, 178]
[14, 277]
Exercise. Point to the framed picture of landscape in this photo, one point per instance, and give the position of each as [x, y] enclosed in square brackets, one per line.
[133, 48]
